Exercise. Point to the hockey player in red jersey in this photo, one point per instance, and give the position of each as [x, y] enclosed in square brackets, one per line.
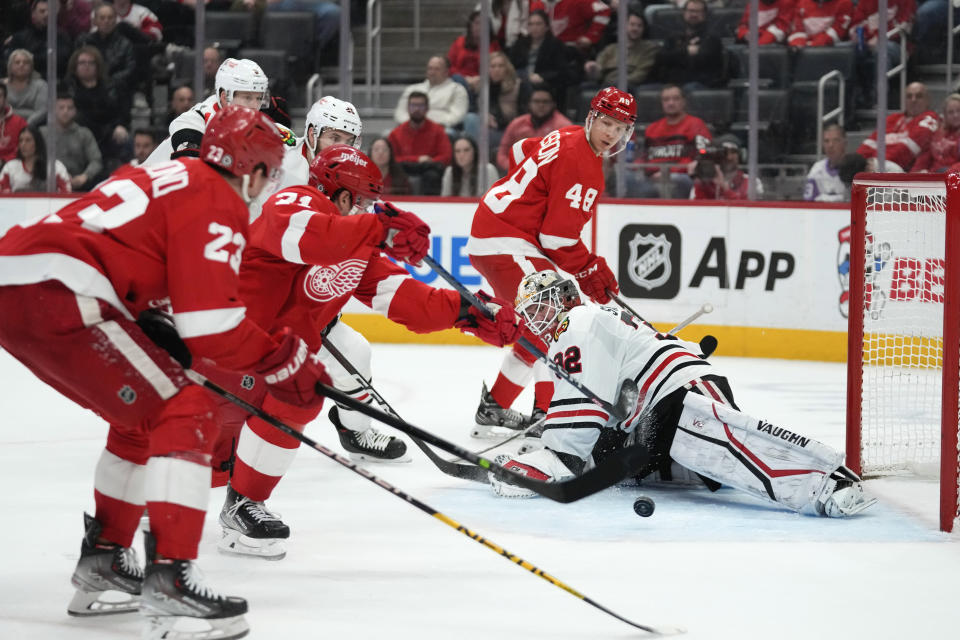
[685, 411]
[307, 257]
[78, 294]
[531, 220]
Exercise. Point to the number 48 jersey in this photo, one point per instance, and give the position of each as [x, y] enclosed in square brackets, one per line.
[600, 347]
[541, 206]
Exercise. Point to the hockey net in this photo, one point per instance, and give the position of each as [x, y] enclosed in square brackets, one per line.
[902, 391]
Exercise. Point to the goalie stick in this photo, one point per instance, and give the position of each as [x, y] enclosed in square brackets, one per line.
[199, 379]
[614, 468]
[619, 410]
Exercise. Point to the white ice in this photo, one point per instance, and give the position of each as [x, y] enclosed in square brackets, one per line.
[363, 564]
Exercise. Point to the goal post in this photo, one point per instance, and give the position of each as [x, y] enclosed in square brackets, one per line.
[903, 350]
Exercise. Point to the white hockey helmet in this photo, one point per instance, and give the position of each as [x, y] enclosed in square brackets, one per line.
[242, 75]
[330, 113]
[543, 297]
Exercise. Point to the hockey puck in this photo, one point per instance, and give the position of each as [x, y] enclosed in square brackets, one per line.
[644, 506]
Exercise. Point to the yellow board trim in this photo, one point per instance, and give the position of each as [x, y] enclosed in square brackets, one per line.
[749, 342]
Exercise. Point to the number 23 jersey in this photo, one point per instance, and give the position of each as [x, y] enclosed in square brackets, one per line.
[541, 206]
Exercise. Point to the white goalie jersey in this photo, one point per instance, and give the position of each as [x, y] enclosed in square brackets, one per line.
[600, 347]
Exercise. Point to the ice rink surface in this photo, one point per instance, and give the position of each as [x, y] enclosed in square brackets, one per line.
[363, 564]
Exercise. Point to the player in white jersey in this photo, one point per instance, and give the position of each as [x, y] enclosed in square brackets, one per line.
[685, 411]
[330, 121]
[240, 82]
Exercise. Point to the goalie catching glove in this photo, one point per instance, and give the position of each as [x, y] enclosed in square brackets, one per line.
[406, 237]
[504, 328]
[291, 374]
[596, 279]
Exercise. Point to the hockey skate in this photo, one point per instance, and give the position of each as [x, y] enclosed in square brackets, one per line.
[178, 605]
[368, 445]
[108, 577]
[531, 437]
[843, 495]
[250, 529]
[493, 421]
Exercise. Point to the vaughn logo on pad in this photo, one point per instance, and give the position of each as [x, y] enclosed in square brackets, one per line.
[649, 264]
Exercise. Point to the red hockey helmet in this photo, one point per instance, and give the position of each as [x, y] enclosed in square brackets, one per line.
[341, 166]
[237, 139]
[616, 104]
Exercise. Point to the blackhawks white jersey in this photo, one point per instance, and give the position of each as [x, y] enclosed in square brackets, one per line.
[600, 347]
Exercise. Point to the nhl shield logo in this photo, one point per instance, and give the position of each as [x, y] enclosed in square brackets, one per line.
[649, 262]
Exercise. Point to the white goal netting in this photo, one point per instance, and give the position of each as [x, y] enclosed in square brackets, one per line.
[902, 314]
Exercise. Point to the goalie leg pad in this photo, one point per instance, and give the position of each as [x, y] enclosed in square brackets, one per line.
[542, 464]
[755, 456]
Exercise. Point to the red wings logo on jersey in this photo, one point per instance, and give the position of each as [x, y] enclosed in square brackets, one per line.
[329, 282]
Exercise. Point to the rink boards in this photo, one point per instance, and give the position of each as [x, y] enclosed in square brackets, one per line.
[775, 273]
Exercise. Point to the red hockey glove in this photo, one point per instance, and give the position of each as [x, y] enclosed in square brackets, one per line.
[595, 279]
[766, 38]
[291, 374]
[405, 236]
[504, 328]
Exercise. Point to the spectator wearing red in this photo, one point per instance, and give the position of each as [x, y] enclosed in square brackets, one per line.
[421, 145]
[908, 134]
[720, 177]
[10, 127]
[576, 22]
[140, 18]
[542, 118]
[774, 21]
[464, 54]
[820, 23]
[944, 150]
[677, 138]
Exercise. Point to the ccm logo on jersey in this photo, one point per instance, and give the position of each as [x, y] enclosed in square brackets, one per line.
[286, 372]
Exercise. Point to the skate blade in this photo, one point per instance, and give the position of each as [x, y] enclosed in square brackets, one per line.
[364, 457]
[234, 543]
[491, 432]
[529, 444]
[102, 603]
[166, 627]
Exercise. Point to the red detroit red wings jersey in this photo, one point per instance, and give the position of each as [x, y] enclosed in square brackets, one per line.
[905, 138]
[675, 143]
[542, 205]
[143, 240]
[305, 261]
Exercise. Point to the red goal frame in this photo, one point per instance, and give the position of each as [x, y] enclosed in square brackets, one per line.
[951, 330]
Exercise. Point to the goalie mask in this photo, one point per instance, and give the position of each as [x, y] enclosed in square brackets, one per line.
[618, 105]
[343, 167]
[330, 113]
[543, 298]
[242, 75]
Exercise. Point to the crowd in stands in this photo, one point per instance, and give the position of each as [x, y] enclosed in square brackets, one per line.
[544, 57]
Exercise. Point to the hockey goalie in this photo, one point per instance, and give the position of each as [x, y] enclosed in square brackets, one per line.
[685, 410]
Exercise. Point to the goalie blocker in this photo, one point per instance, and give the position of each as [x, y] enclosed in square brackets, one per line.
[685, 411]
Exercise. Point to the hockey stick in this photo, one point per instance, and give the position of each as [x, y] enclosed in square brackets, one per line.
[464, 471]
[624, 405]
[706, 307]
[349, 464]
[613, 469]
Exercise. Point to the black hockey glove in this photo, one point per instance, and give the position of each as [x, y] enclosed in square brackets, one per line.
[159, 327]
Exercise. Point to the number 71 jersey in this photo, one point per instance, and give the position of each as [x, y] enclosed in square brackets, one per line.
[541, 206]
